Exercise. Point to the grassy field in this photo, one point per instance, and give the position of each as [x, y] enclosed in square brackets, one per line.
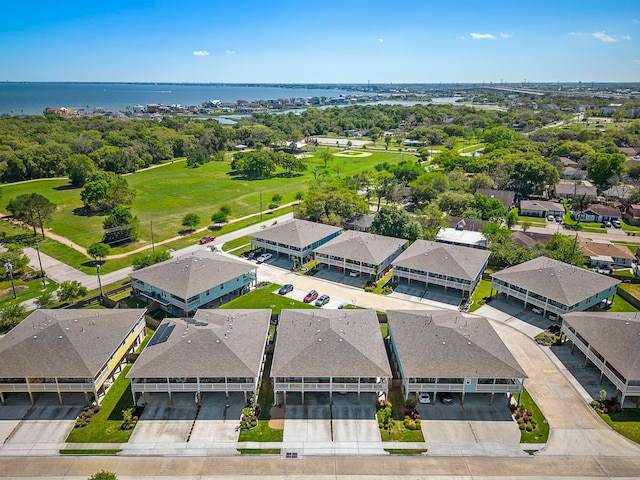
[626, 423]
[621, 305]
[266, 297]
[166, 194]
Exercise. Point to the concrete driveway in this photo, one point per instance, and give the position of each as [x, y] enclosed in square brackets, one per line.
[307, 428]
[476, 428]
[40, 429]
[355, 427]
[174, 429]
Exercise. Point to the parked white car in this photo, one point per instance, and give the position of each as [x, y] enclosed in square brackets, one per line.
[264, 258]
[424, 397]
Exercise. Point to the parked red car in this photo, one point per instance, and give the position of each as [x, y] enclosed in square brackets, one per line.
[311, 296]
[207, 239]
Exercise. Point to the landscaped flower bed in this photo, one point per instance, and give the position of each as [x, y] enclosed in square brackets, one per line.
[85, 416]
[525, 420]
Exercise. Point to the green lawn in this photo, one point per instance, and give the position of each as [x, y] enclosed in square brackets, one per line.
[540, 434]
[621, 305]
[534, 221]
[238, 242]
[483, 289]
[105, 425]
[165, 195]
[626, 423]
[266, 297]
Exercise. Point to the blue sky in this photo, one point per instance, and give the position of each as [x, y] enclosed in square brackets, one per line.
[322, 41]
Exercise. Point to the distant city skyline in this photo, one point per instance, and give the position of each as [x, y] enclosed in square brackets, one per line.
[200, 41]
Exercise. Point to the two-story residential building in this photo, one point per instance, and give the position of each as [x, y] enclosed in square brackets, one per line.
[606, 255]
[447, 351]
[360, 252]
[540, 208]
[611, 342]
[552, 286]
[204, 279]
[632, 215]
[215, 351]
[295, 239]
[68, 350]
[327, 351]
[434, 263]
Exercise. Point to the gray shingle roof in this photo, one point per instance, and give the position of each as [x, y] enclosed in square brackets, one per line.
[324, 343]
[578, 190]
[505, 196]
[615, 335]
[215, 343]
[453, 260]
[541, 206]
[362, 247]
[556, 280]
[297, 233]
[193, 274]
[65, 342]
[450, 344]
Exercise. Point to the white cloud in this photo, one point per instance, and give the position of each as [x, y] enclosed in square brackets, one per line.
[637, 62]
[504, 35]
[462, 37]
[381, 40]
[482, 36]
[604, 37]
[626, 37]
[201, 53]
[230, 52]
[577, 34]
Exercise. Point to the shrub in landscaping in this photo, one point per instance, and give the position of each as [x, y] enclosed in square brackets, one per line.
[129, 420]
[525, 420]
[85, 416]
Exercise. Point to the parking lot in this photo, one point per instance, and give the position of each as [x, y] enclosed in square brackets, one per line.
[299, 295]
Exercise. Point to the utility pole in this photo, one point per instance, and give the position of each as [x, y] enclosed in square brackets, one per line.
[260, 205]
[44, 283]
[99, 282]
[153, 245]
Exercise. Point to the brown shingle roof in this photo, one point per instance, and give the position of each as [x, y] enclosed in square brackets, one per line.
[595, 249]
[615, 335]
[214, 343]
[445, 343]
[65, 342]
[193, 274]
[324, 343]
[362, 247]
[453, 260]
[556, 280]
[297, 233]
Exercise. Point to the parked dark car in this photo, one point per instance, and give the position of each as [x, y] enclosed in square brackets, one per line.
[311, 296]
[207, 239]
[446, 397]
[322, 300]
[255, 253]
[285, 289]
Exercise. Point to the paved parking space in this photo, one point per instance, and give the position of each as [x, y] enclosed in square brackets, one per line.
[475, 428]
[41, 428]
[174, 428]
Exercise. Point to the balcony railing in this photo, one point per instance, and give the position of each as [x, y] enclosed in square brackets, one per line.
[139, 387]
[47, 387]
[326, 387]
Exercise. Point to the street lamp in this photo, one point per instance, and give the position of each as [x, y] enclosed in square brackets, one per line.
[9, 268]
[99, 282]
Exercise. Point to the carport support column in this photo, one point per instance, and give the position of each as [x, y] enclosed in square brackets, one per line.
[58, 391]
[2, 397]
[462, 399]
[491, 399]
[302, 395]
[86, 397]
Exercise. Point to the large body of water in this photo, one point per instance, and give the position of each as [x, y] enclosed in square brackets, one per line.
[33, 98]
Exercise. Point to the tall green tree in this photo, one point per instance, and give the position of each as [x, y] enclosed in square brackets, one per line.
[330, 203]
[603, 167]
[530, 175]
[106, 190]
[392, 221]
[33, 209]
[120, 226]
[70, 290]
[431, 220]
[98, 251]
[428, 186]
[79, 168]
[191, 220]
